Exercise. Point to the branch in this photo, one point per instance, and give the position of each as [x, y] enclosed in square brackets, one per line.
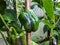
[44, 40]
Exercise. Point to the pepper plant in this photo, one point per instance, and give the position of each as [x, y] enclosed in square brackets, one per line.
[14, 20]
[50, 19]
[18, 20]
[10, 23]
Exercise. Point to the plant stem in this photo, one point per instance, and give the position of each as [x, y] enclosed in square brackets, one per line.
[23, 39]
[3, 37]
[27, 5]
[44, 40]
[56, 22]
[4, 22]
[28, 36]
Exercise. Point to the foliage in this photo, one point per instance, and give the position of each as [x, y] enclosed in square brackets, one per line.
[51, 18]
[37, 39]
[40, 3]
[46, 43]
[2, 6]
[12, 23]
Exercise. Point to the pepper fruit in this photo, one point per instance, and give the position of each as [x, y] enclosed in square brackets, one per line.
[35, 21]
[29, 20]
[25, 21]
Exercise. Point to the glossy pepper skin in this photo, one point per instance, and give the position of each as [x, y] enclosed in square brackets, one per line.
[25, 21]
[29, 20]
[35, 21]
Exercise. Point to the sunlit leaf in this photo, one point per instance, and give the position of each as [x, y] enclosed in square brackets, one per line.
[48, 23]
[8, 17]
[48, 5]
[55, 33]
[33, 43]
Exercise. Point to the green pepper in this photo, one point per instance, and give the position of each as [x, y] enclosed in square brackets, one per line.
[35, 21]
[25, 21]
[29, 20]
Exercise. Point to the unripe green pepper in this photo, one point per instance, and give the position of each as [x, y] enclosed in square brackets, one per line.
[31, 12]
[29, 20]
[34, 19]
[25, 21]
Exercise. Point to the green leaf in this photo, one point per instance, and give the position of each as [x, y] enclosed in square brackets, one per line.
[48, 23]
[57, 4]
[40, 4]
[46, 28]
[16, 25]
[46, 43]
[8, 17]
[33, 43]
[36, 39]
[55, 33]
[57, 11]
[48, 5]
